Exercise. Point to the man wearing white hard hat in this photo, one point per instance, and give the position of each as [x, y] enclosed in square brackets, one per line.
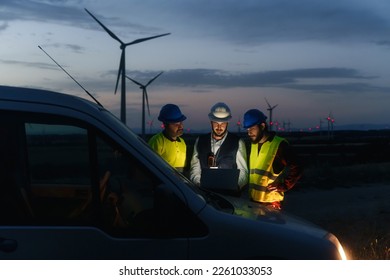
[220, 148]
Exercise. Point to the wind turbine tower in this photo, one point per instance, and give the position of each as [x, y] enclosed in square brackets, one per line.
[144, 98]
[289, 126]
[122, 63]
[331, 121]
[239, 125]
[150, 123]
[270, 109]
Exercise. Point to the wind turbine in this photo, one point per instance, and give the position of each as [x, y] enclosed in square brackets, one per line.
[150, 123]
[239, 125]
[270, 108]
[331, 121]
[122, 63]
[144, 98]
[289, 126]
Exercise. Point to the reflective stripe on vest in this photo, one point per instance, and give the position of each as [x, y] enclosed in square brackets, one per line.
[261, 173]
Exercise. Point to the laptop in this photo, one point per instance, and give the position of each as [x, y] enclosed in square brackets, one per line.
[217, 179]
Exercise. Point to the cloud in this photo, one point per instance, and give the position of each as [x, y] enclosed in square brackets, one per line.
[37, 10]
[385, 43]
[3, 26]
[255, 22]
[72, 47]
[342, 88]
[291, 79]
[69, 13]
[29, 64]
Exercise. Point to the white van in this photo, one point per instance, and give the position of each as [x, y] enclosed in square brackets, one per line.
[76, 183]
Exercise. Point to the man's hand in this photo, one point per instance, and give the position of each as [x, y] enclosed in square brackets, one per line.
[276, 187]
[272, 188]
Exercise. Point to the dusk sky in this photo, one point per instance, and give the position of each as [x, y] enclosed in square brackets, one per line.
[311, 58]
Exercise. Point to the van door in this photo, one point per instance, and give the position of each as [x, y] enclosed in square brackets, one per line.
[72, 193]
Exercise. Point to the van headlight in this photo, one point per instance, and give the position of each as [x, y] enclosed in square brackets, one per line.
[332, 238]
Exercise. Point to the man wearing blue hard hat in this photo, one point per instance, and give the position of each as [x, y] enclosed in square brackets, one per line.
[273, 166]
[168, 143]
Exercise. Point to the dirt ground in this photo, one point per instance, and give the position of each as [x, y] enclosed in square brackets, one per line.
[359, 216]
[368, 201]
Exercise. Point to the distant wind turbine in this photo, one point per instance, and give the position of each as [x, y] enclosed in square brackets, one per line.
[150, 123]
[122, 63]
[239, 125]
[331, 121]
[289, 126]
[270, 108]
[144, 98]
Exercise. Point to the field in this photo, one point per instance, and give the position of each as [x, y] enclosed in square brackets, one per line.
[359, 216]
[345, 188]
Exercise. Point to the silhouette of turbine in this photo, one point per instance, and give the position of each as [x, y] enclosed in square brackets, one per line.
[270, 108]
[331, 121]
[144, 98]
[150, 124]
[122, 63]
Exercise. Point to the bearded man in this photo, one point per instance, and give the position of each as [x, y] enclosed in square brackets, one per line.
[273, 165]
[219, 148]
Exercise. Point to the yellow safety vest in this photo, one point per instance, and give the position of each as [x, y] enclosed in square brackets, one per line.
[173, 152]
[261, 173]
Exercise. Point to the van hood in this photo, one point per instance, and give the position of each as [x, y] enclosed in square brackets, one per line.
[256, 211]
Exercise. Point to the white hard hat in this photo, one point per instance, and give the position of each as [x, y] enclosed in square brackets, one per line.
[220, 112]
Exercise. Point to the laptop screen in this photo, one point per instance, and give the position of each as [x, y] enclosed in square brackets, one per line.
[220, 179]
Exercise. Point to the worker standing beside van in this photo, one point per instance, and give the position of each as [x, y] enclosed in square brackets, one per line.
[168, 143]
[273, 166]
[219, 148]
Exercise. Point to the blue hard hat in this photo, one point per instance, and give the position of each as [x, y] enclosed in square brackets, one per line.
[253, 117]
[170, 113]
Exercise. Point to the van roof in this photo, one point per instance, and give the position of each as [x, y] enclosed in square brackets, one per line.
[33, 95]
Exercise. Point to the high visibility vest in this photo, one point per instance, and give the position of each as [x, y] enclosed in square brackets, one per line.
[261, 173]
[173, 152]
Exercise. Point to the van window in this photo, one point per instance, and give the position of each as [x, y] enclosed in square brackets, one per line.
[128, 196]
[14, 209]
[57, 153]
[59, 168]
[63, 160]
[65, 172]
[132, 199]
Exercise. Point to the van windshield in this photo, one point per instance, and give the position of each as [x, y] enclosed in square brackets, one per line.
[128, 135]
[214, 199]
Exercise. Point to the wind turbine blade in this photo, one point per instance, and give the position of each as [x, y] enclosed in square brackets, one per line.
[105, 28]
[134, 81]
[121, 63]
[147, 100]
[153, 79]
[145, 39]
[267, 102]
